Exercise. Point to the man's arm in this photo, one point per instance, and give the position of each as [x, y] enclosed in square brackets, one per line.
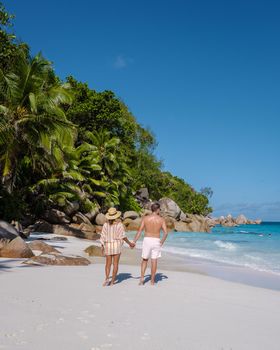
[165, 233]
[131, 244]
[138, 234]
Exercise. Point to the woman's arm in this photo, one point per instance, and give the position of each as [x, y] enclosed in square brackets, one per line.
[131, 244]
[103, 234]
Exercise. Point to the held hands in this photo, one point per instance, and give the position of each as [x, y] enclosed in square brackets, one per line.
[132, 245]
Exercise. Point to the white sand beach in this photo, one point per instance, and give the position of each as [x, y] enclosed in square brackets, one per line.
[57, 307]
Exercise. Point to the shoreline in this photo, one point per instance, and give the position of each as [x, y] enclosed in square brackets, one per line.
[223, 271]
[49, 307]
[175, 262]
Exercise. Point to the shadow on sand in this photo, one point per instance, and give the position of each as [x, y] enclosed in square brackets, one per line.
[5, 265]
[159, 278]
[121, 277]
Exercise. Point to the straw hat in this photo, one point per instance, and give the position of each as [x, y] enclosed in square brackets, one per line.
[113, 214]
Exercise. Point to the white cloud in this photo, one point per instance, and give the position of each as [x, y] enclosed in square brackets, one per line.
[122, 62]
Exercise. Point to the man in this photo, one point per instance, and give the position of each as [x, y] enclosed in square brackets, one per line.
[152, 225]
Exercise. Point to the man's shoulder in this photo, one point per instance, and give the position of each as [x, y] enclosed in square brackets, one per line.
[152, 217]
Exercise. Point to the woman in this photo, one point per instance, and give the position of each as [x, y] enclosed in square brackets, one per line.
[112, 237]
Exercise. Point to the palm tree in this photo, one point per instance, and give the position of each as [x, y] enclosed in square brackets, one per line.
[31, 116]
[69, 179]
[114, 175]
[106, 147]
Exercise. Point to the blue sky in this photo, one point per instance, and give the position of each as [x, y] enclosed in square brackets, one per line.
[203, 75]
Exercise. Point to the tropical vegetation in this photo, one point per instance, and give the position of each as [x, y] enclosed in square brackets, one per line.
[63, 143]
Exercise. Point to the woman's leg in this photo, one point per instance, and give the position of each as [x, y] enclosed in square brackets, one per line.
[116, 259]
[107, 269]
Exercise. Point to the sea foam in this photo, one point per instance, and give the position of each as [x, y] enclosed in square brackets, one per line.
[225, 245]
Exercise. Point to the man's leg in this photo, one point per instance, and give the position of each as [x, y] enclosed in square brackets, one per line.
[107, 269]
[116, 259]
[153, 270]
[143, 270]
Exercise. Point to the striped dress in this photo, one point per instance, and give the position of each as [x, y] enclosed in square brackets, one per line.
[112, 238]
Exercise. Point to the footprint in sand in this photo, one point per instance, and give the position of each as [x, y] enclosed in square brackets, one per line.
[96, 305]
[60, 320]
[103, 346]
[10, 335]
[23, 342]
[145, 336]
[83, 320]
[82, 335]
[40, 327]
[109, 335]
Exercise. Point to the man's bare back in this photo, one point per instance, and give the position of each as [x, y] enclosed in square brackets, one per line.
[153, 224]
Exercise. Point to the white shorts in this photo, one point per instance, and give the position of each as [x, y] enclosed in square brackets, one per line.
[151, 248]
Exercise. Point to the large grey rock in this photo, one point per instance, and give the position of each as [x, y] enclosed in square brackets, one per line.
[57, 259]
[130, 215]
[7, 231]
[198, 223]
[170, 223]
[76, 230]
[241, 220]
[42, 246]
[41, 226]
[134, 225]
[16, 248]
[80, 218]
[212, 222]
[143, 194]
[146, 212]
[181, 226]
[228, 221]
[94, 250]
[71, 208]
[127, 221]
[92, 214]
[169, 208]
[100, 219]
[142, 197]
[54, 216]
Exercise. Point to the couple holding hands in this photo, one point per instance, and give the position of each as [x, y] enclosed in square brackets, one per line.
[113, 235]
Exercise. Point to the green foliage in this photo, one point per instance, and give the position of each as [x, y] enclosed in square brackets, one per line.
[9, 47]
[32, 119]
[182, 193]
[64, 142]
[94, 111]
[12, 206]
[128, 202]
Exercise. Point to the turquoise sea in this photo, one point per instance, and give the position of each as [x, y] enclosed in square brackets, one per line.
[255, 247]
